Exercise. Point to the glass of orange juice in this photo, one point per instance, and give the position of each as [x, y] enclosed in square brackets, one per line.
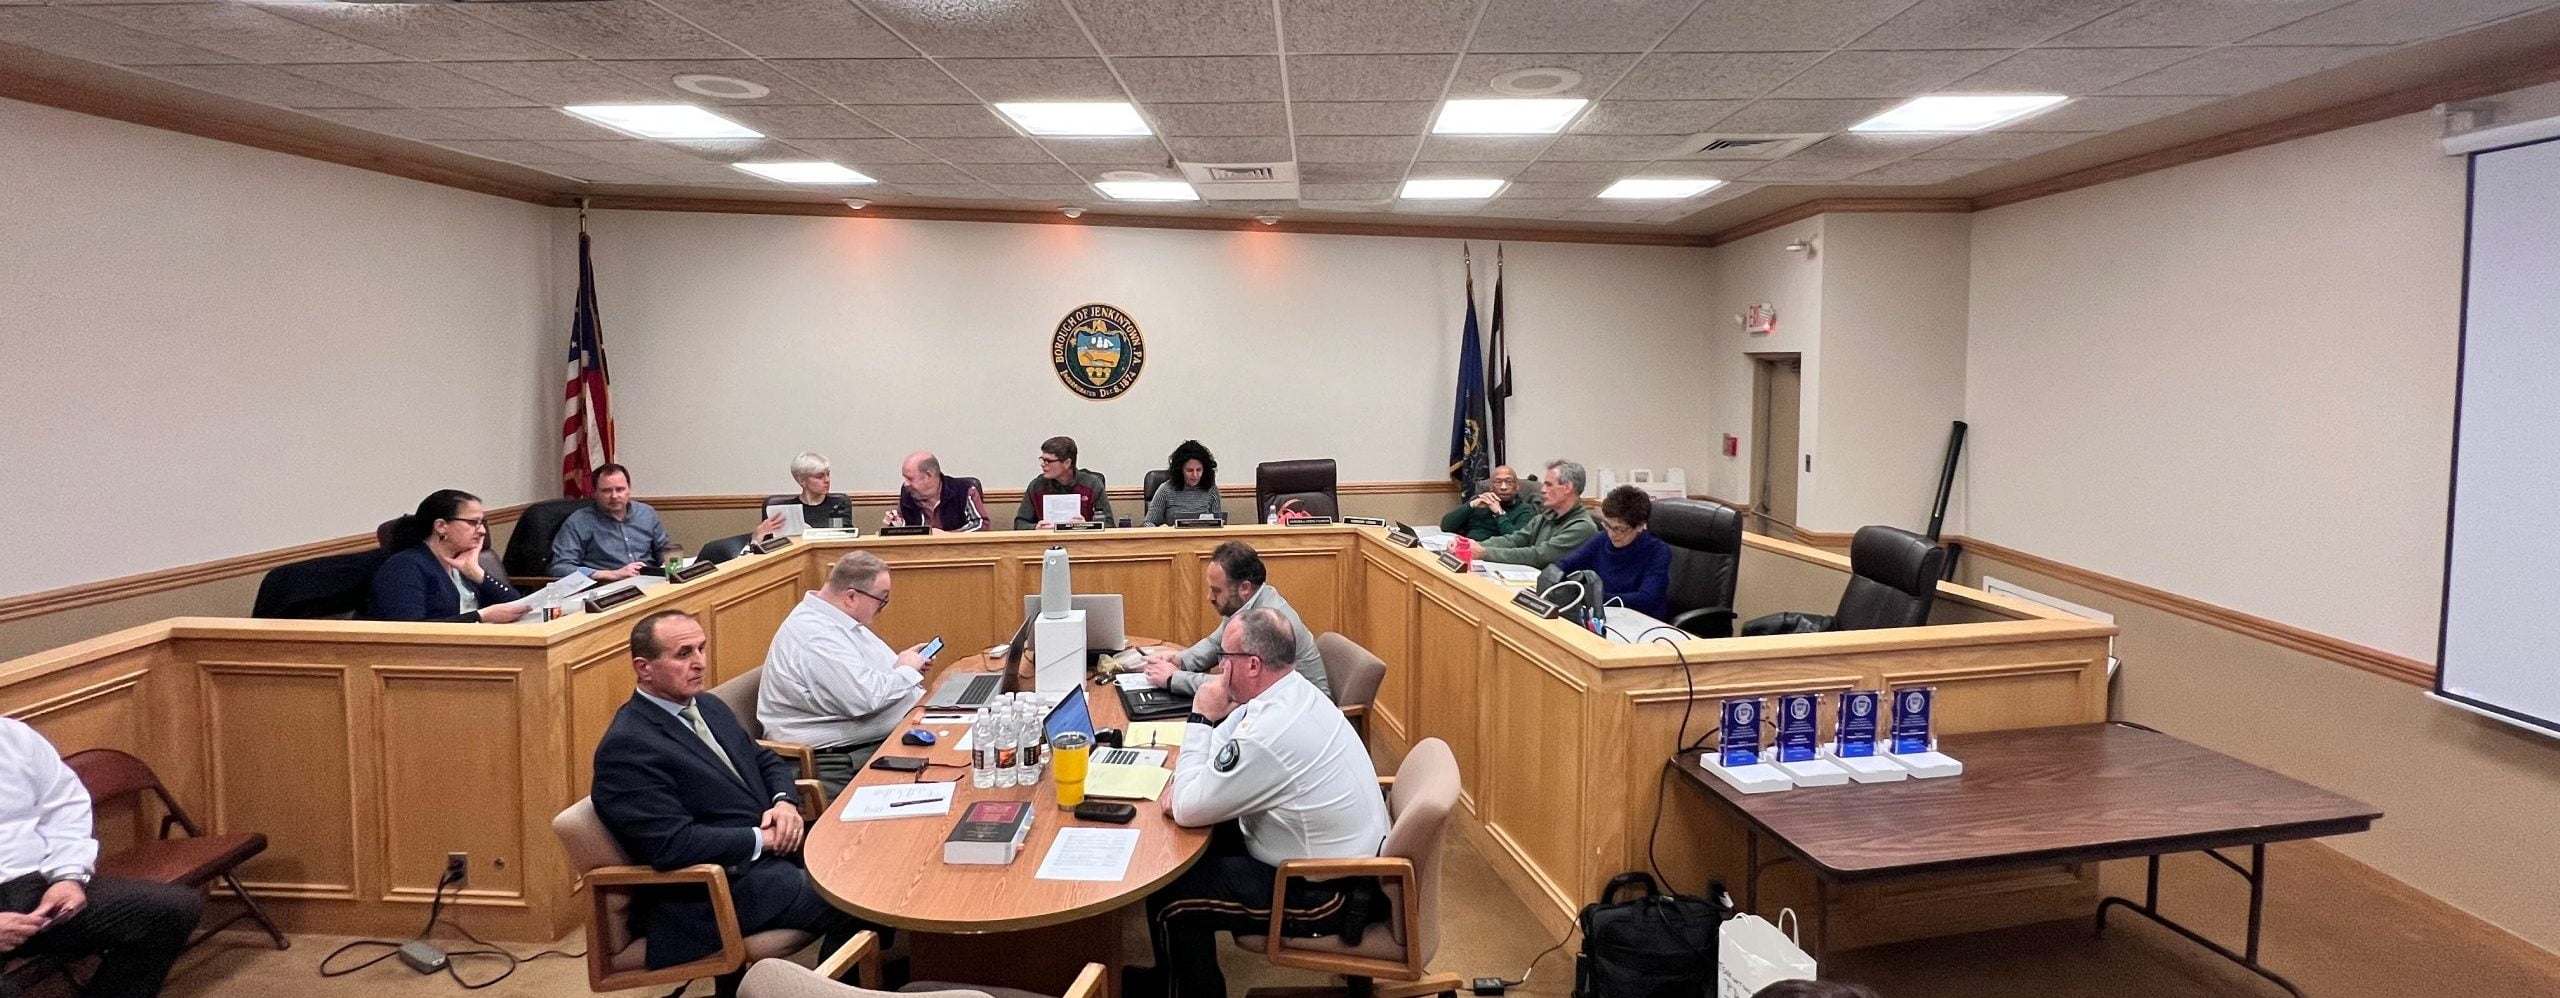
[1069, 751]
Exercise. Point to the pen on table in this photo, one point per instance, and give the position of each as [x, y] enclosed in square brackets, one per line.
[919, 800]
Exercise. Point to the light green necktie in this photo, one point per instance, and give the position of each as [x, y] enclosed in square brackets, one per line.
[693, 716]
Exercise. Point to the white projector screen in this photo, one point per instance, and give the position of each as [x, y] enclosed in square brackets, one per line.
[2499, 649]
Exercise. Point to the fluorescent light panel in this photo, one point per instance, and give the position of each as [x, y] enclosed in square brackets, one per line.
[663, 121]
[1449, 188]
[1146, 190]
[805, 172]
[1076, 117]
[1660, 187]
[1507, 116]
[1957, 112]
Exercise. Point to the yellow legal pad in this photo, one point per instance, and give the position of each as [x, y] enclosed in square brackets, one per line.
[1125, 782]
[1153, 734]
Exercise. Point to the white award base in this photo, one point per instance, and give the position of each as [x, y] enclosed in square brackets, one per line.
[1814, 772]
[1058, 643]
[1928, 765]
[1757, 778]
[1867, 768]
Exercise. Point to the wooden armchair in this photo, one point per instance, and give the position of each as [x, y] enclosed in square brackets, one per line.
[1399, 950]
[740, 693]
[785, 979]
[617, 957]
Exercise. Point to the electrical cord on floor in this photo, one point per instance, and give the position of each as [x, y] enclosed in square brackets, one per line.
[435, 914]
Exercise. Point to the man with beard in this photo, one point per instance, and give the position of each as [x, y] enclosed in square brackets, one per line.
[1236, 583]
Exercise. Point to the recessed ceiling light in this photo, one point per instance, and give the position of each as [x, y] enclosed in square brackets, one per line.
[1147, 190]
[1957, 112]
[1660, 187]
[1449, 188]
[1076, 117]
[728, 87]
[1507, 116]
[805, 172]
[663, 121]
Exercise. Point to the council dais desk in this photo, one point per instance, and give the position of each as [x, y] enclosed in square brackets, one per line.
[366, 751]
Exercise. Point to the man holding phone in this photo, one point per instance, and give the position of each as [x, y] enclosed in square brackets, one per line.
[830, 681]
[51, 905]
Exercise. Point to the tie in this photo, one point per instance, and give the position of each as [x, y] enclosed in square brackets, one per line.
[693, 716]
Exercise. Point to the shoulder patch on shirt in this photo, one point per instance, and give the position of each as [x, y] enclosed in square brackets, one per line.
[1227, 758]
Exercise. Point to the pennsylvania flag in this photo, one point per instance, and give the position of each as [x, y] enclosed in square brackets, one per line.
[1469, 460]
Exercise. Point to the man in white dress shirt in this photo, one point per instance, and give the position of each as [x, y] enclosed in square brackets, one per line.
[52, 904]
[830, 682]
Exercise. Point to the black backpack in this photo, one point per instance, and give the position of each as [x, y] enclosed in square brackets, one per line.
[1656, 946]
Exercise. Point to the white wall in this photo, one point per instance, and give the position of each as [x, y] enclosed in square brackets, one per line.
[738, 341]
[1892, 379]
[2232, 380]
[1760, 270]
[212, 350]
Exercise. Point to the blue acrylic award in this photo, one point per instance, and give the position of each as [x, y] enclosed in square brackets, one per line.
[1740, 738]
[1911, 719]
[1856, 733]
[1797, 718]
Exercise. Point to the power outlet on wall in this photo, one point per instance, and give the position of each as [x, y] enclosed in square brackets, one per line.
[457, 869]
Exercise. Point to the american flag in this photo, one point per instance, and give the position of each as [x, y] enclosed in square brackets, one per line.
[586, 427]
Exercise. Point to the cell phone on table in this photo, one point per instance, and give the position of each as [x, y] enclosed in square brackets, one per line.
[899, 763]
[933, 647]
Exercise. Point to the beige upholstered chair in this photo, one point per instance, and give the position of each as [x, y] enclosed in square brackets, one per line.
[617, 958]
[1397, 952]
[785, 979]
[740, 694]
[1354, 674]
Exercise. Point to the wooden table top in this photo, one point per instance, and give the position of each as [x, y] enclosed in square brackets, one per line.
[891, 870]
[2038, 796]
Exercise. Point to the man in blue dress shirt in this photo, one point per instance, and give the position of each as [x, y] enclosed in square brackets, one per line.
[615, 538]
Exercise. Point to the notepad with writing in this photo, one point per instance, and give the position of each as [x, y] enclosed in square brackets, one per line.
[1153, 734]
[1125, 782]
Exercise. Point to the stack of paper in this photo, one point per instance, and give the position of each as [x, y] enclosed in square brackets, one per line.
[1090, 854]
[1125, 782]
[897, 800]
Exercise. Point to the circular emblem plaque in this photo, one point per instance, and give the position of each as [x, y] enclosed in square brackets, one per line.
[1097, 351]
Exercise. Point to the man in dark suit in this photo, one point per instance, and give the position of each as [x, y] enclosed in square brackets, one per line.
[678, 782]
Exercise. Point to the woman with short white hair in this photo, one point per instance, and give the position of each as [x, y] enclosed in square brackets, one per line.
[819, 507]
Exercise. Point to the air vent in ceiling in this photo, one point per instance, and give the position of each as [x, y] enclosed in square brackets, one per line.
[1243, 181]
[1747, 146]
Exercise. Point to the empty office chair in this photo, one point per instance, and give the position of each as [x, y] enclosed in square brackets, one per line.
[1277, 480]
[741, 693]
[529, 548]
[1706, 557]
[1398, 950]
[336, 585]
[785, 979]
[1353, 673]
[193, 861]
[617, 956]
[1292, 504]
[1893, 580]
[725, 548]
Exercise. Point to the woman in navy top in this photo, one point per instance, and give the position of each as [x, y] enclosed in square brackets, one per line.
[435, 571]
[1634, 565]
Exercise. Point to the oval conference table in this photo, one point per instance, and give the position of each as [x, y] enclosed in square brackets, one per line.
[890, 871]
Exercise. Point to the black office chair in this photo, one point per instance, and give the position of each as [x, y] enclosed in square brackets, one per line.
[337, 585]
[1310, 503]
[1893, 580]
[1273, 480]
[529, 548]
[1147, 491]
[725, 548]
[1706, 558]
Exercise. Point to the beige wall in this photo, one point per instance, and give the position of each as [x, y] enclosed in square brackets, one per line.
[1893, 337]
[214, 350]
[1760, 270]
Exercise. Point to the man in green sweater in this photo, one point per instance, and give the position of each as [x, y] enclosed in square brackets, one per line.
[1498, 510]
[1560, 526]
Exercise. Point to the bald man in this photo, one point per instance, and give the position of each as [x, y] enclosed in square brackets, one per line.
[948, 505]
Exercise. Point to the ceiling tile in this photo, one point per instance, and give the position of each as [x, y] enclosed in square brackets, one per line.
[2006, 145]
[1924, 171]
[919, 173]
[662, 74]
[2226, 71]
[1653, 117]
[1107, 150]
[1062, 193]
[62, 32]
[1219, 119]
[986, 150]
[1024, 173]
[1762, 26]
[1886, 74]
[938, 120]
[1881, 146]
[1614, 147]
[240, 31]
[1368, 77]
[2372, 22]
[1348, 173]
[1262, 149]
[1201, 79]
[1793, 171]
[793, 29]
[1476, 72]
[737, 150]
[435, 32]
[1802, 115]
[1311, 204]
[1543, 189]
[265, 85]
[2069, 71]
[1529, 207]
[1575, 25]
[967, 28]
[2104, 114]
[561, 83]
[1982, 24]
[953, 192]
[518, 151]
[425, 126]
[1397, 149]
[1036, 79]
[1554, 169]
[1479, 148]
[2190, 22]
[878, 81]
[868, 151]
[825, 121]
[1346, 192]
[629, 152]
[1360, 117]
[416, 84]
[1370, 26]
[1192, 27]
[600, 173]
[514, 122]
[1709, 75]
[1101, 171]
[607, 29]
[1440, 206]
[1611, 215]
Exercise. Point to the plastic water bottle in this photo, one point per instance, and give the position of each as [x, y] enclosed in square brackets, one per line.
[1008, 746]
[982, 749]
[1032, 751]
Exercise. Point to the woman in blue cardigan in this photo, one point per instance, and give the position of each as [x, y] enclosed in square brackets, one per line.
[435, 571]
[1634, 565]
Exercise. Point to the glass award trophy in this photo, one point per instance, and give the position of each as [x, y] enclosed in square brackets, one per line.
[1736, 759]
[1799, 716]
[1914, 745]
[1853, 740]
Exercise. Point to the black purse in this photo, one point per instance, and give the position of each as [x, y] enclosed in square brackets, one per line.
[1655, 946]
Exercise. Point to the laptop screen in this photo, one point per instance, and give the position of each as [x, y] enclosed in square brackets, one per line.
[1071, 714]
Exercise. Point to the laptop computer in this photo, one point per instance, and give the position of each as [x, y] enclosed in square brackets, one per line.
[972, 690]
[1104, 619]
[1072, 713]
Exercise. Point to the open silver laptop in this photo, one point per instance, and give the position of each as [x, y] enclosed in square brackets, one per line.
[1104, 619]
[972, 690]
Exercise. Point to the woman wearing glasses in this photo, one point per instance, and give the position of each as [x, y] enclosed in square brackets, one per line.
[437, 570]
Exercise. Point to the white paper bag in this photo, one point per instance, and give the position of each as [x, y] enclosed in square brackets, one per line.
[1752, 954]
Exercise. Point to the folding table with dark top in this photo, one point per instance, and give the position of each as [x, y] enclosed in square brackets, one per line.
[2042, 797]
